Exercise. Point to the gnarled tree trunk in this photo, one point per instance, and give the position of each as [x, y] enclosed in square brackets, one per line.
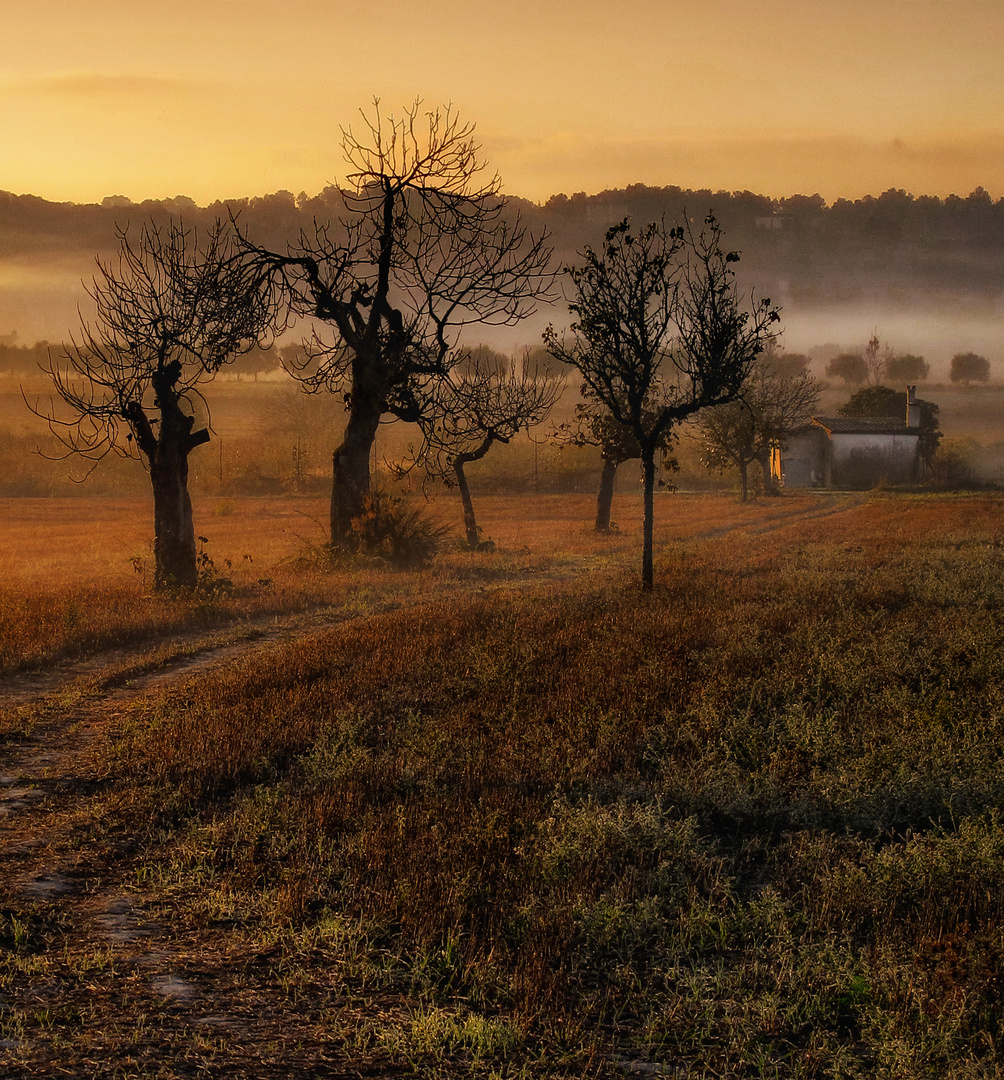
[175, 565]
[173, 524]
[350, 481]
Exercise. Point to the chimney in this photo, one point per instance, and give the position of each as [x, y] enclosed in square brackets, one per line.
[912, 408]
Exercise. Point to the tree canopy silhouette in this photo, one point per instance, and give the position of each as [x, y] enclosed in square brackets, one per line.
[426, 245]
[969, 367]
[660, 333]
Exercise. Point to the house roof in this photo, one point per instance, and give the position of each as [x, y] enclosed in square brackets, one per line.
[864, 425]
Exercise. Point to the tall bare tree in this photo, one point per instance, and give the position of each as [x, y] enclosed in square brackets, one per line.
[661, 334]
[168, 315]
[479, 405]
[427, 245]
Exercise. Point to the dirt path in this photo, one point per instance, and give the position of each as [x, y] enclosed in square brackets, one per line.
[65, 877]
[61, 868]
[80, 703]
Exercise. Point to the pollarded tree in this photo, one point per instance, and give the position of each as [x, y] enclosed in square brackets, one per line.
[478, 405]
[661, 334]
[426, 247]
[969, 367]
[168, 316]
[746, 430]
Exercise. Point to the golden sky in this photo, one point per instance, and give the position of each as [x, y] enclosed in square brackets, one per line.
[224, 98]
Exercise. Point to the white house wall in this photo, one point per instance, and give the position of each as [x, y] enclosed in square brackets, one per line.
[897, 448]
[812, 458]
[861, 458]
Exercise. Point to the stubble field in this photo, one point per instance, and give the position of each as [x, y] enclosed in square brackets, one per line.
[507, 816]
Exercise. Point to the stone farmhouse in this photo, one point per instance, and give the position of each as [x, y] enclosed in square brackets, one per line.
[851, 451]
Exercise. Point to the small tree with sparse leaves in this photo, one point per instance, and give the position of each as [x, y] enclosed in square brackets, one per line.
[660, 334]
[479, 405]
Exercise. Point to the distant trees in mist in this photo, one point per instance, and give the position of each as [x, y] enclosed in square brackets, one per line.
[894, 247]
[968, 368]
[876, 364]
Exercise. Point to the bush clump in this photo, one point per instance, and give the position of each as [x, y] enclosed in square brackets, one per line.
[392, 529]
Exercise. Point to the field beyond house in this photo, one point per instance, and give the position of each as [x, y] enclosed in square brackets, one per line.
[507, 816]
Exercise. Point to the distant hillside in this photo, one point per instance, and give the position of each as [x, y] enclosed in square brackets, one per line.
[926, 273]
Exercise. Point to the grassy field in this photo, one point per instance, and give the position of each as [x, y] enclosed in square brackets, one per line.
[76, 574]
[532, 822]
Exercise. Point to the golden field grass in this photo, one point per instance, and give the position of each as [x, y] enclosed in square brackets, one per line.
[534, 823]
[75, 574]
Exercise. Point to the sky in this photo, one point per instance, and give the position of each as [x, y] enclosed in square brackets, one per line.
[228, 98]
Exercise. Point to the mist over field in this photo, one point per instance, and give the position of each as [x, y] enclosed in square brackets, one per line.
[925, 274]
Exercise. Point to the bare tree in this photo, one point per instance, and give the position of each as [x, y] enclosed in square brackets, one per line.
[746, 430]
[480, 405]
[168, 315]
[661, 334]
[877, 360]
[426, 247]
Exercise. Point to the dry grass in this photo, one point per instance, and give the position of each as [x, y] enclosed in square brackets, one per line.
[749, 825]
[75, 574]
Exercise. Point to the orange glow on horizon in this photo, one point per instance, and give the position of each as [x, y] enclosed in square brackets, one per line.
[228, 98]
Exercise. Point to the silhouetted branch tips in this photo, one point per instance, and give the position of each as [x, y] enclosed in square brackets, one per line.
[427, 247]
[659, 333]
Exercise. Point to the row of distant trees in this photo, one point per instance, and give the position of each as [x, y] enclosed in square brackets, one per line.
[874, 364]
[914, 246]
[877, 364]
[425, 248]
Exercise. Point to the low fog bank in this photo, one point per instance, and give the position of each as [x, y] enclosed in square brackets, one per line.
[924, 274]
[43, 303]
[936, 334]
